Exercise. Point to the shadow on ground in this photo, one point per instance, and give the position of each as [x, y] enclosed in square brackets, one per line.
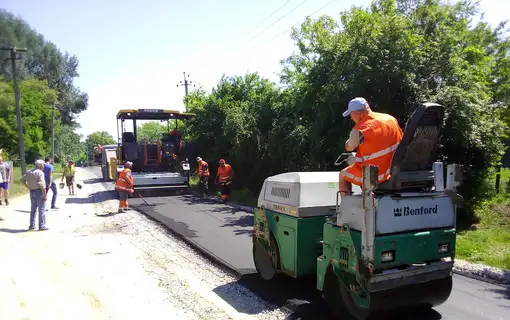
[95, 197]
[93, 180]
[5, 230]
[503, 293]
[303, 299]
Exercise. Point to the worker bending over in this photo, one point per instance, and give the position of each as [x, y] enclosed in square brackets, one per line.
[224, 178]
[376, 136]
[203, 175]
[124, 186]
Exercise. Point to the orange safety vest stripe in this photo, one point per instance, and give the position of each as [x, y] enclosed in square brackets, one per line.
[125, 180]
[200, 165]
[224, 172]
[382, 135]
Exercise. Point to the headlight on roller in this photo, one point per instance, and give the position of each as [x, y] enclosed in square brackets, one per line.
[387, 256]
[443, 248]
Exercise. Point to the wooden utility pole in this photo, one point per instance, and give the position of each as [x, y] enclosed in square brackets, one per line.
[17, 97]
[185, 84]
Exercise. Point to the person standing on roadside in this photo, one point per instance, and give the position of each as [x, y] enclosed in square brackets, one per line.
[203, 175]
[68, 174]
[34, 181]
[224, 178]
[124, 186]
[50, 184]
[5, 178]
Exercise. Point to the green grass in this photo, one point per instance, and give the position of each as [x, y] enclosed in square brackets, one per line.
[17, 189]
[488, 242]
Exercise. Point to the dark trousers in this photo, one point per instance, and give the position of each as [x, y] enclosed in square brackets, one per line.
[225, 191]
[204, 185]
[53, 188]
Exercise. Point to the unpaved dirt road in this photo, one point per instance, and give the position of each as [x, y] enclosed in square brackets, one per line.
[93, 264]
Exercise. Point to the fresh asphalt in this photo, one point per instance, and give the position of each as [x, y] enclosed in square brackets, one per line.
[224, 233]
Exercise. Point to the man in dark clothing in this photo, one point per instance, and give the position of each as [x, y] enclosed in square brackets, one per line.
[50, 184]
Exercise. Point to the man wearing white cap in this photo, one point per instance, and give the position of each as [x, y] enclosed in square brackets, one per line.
[34, 181]
[376, 136]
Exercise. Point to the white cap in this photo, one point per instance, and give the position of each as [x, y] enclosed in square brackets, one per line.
[129, 163]
[199, 159]
[39, 162]
[355, 104]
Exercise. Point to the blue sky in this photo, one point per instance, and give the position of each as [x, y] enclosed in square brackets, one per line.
[132, 53]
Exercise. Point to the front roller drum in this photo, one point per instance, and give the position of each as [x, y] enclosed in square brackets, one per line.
[429, 294]
[266, 263]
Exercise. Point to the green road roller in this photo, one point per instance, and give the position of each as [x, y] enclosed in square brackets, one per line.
[385, 246]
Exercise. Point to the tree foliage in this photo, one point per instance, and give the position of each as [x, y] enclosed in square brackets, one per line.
[69, 146]
[395, 54]
[151, 130]
[36, 118]
[95, 138]
[43, 61]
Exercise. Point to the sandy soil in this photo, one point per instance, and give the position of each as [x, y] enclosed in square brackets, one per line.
[92, 264]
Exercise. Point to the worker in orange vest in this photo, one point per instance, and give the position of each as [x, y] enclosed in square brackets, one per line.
[224, 178]
[376, 137]
[124, 186]
[203, 175]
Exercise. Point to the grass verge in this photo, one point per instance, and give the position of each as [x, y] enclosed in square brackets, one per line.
[488, 242]
[17, 189]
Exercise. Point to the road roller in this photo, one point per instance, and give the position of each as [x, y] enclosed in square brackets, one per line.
[385, 246]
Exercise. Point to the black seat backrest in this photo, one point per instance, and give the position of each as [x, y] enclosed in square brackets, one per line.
[152, 151]
[130, 150]
[413, 160]
[165, 136]
[128, 137]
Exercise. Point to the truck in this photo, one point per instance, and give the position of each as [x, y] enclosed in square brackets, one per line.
[108, 162]
[156, 166]
[386, 246]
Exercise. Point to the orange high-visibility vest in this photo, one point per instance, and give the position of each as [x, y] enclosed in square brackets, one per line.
[224, 173]
[203, 168]
[381, 137]
[125, 180]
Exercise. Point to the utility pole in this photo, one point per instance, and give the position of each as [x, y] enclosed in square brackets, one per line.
[185, 84]
[17, 98]
[53, 132]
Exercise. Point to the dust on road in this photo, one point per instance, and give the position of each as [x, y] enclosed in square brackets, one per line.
[92, 264]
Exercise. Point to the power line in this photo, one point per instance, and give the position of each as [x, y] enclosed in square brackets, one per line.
[283, 5]
[287, 30]
[299, 5]
[186, 84]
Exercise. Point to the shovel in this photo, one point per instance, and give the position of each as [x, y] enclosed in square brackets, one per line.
[145, 201]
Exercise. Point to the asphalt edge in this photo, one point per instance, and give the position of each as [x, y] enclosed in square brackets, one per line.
[216, 261]
[461, 267]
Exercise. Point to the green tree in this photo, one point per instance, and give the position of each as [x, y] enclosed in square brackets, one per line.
[95, 138]
[394, 53]
[36, 118]
[151, 130]
[69, 145]
[43, 61]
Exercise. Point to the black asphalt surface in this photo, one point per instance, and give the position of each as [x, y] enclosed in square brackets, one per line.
[225, 233]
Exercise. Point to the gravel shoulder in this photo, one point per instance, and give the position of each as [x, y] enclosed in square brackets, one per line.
[93, 264]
